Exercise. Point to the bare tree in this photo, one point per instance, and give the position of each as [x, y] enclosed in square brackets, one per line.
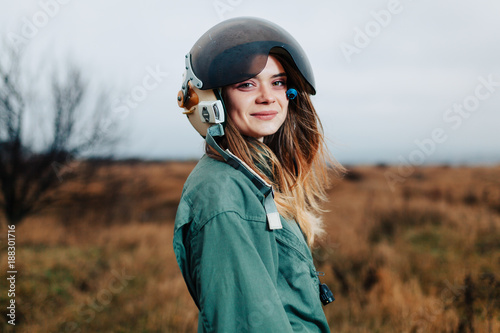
[30, 172]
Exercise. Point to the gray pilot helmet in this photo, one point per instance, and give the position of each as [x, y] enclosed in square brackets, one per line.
[232, 51]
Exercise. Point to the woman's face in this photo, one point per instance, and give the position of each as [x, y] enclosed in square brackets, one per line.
[258, 106]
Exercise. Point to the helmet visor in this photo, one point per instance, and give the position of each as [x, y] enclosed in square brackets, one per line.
[237, 49]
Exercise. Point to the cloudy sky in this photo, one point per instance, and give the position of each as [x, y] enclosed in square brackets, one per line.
[397, 81]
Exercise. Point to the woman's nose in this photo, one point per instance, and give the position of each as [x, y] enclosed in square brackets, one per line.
[266, 95]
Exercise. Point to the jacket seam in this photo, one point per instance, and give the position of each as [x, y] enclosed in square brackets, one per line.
[200, 225]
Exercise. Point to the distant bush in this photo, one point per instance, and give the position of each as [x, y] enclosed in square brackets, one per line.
[354, 176]
[470, 198]
[388, 222]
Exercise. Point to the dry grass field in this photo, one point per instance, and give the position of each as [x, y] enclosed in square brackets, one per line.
[422, 257]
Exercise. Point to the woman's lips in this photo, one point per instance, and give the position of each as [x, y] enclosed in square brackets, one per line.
[264, 115]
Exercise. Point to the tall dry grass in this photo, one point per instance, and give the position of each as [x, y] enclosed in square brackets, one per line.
[422, 258]
[406, 260]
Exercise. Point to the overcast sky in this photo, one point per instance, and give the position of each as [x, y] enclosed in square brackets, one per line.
[414, 81]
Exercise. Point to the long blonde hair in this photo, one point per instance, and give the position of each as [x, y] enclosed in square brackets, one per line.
[294, 160]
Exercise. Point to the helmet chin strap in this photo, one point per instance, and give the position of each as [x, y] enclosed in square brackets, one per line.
[273, 217]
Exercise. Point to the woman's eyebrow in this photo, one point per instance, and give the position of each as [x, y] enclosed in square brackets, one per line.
[279, 75]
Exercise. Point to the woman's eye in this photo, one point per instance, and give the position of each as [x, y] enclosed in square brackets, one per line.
[279, 83]
[245, 85]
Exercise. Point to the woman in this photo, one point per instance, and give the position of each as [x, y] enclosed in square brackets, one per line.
[249, 209]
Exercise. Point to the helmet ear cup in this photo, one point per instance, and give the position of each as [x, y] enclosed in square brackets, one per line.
[207, 111]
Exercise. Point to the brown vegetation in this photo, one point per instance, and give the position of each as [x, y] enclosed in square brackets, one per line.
[424, 258]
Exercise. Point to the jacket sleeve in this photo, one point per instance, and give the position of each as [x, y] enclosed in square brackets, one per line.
[234, 271]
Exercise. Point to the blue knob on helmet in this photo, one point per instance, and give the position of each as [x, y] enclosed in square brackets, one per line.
[291, 93]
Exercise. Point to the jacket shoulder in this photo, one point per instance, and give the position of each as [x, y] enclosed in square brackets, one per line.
[213, 188]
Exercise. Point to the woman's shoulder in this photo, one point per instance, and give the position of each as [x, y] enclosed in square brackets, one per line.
[215, 175]
[207, 170]
[214, 187]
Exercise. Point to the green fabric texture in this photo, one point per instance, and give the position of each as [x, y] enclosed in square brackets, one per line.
[242, 276]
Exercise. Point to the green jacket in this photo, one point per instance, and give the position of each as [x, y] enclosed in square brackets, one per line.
[242, 276]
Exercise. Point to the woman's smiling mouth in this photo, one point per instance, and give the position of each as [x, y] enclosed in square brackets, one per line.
[265, 115]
